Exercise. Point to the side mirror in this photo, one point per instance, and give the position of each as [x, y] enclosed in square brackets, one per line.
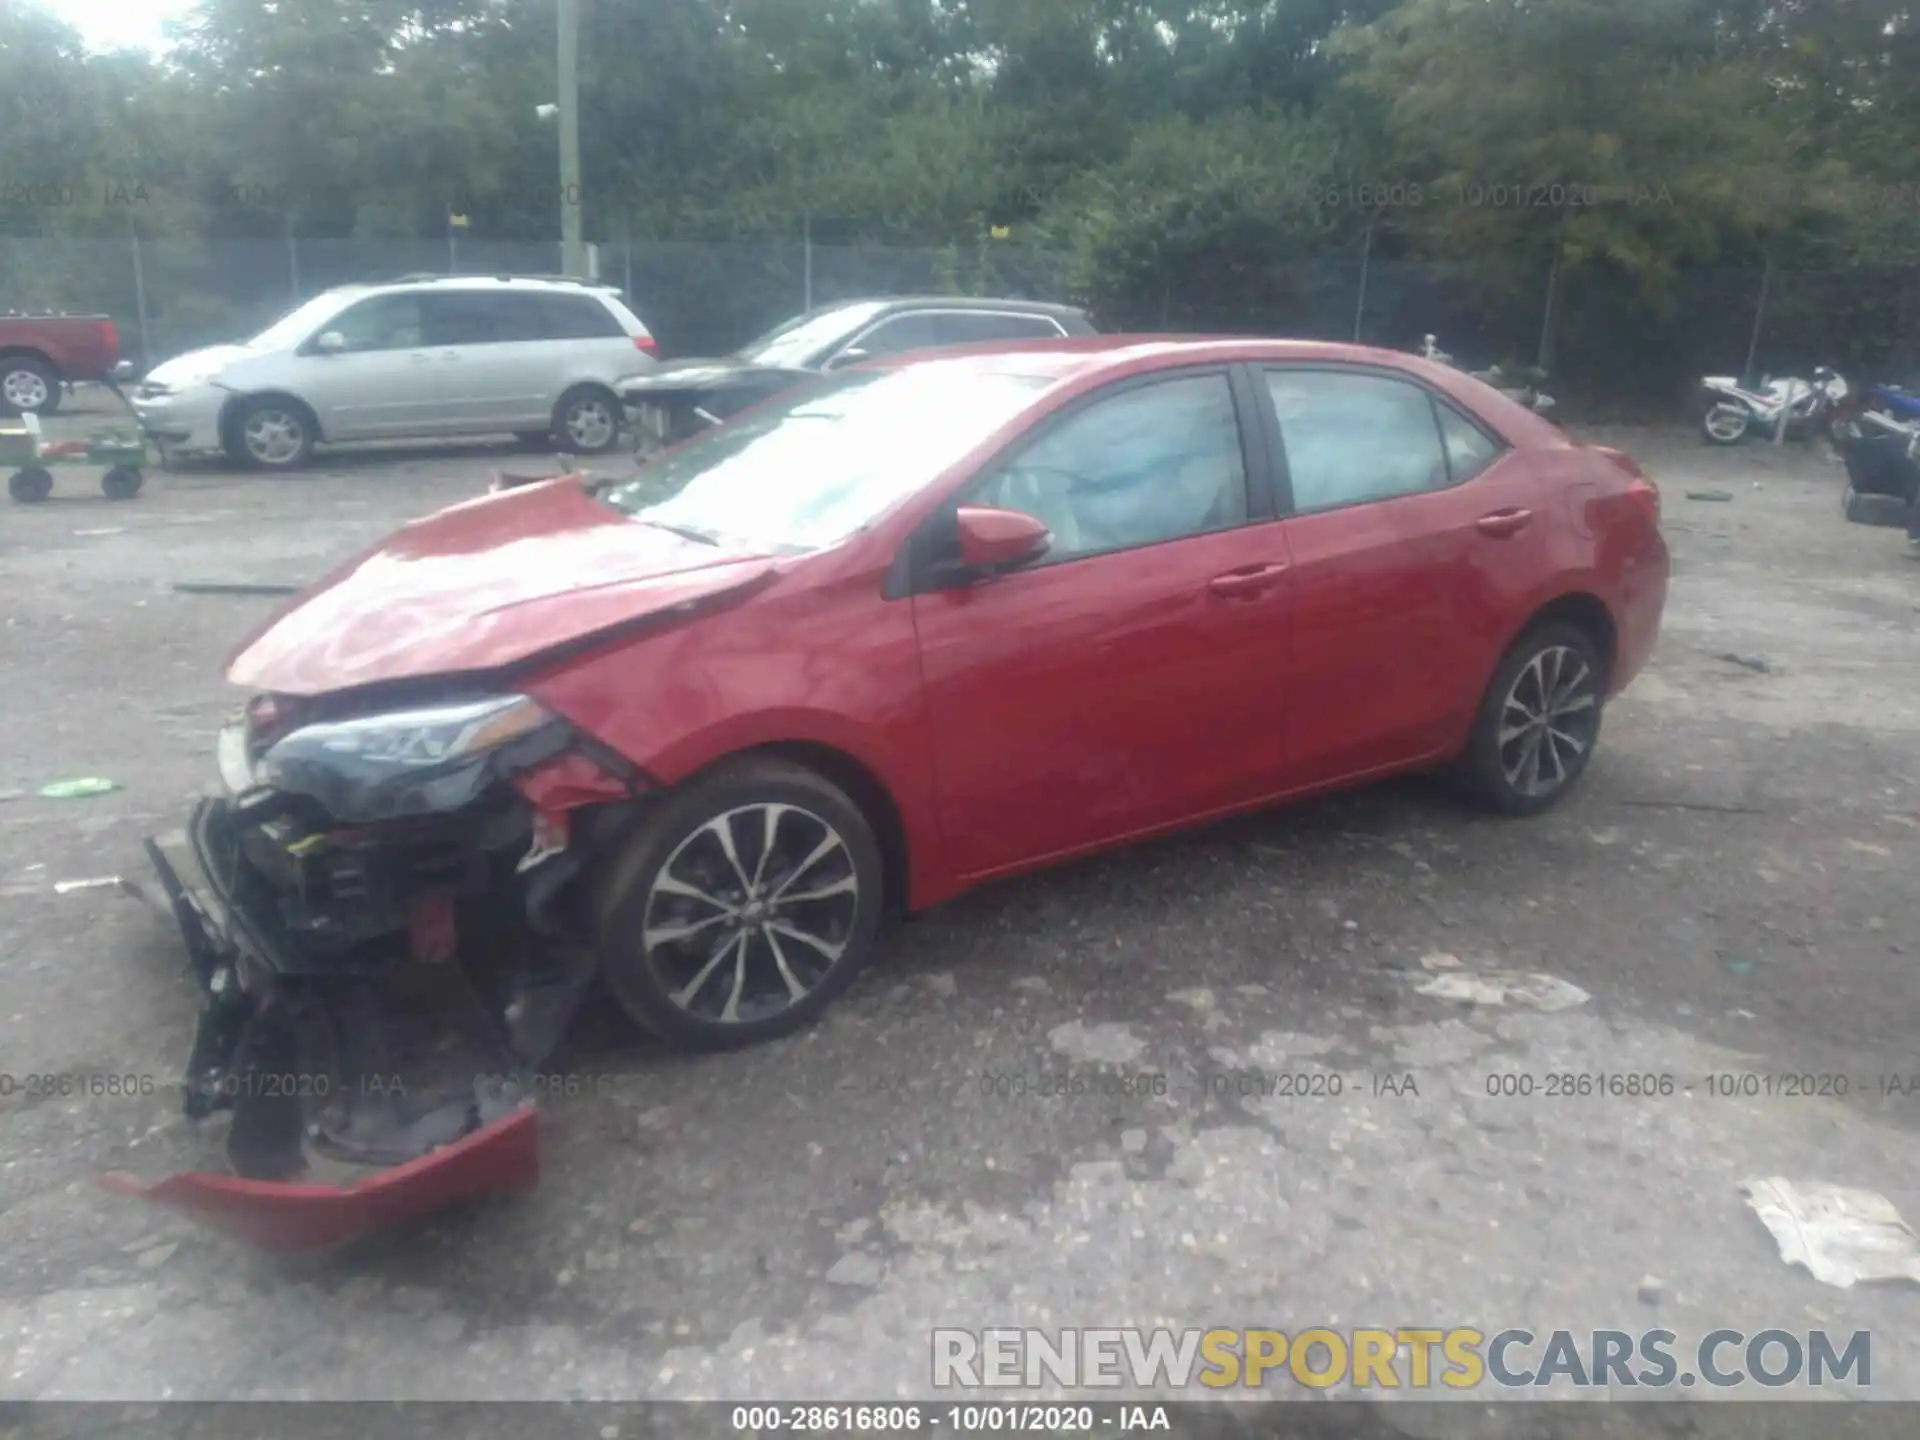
[991, 539]
[124, 370]
[332, 342]
[846, 358]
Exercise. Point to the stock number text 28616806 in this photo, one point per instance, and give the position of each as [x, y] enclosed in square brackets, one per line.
[84, 1085]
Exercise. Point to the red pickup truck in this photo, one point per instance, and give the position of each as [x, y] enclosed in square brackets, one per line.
[40, 355]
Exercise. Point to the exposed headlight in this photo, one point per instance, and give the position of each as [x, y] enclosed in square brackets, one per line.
[408, 762]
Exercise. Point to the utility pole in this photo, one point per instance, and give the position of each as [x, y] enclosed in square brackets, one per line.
[572, 261]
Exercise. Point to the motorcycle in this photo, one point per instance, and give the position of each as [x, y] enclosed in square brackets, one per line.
[1733, 412]
[1521, 384]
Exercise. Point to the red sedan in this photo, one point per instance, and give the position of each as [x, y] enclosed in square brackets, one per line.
[880, 639]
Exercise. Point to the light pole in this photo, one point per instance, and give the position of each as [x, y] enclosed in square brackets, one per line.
[572, 259]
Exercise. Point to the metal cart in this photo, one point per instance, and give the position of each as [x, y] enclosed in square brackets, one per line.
[121, 452]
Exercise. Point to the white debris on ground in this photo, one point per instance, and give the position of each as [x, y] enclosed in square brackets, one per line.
[1842, 1236]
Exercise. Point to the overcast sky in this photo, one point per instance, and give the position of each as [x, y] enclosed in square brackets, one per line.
[107, 23]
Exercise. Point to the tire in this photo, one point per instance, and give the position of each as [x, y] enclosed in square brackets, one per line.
[28, 384]
[271, 432]
[31, 485]
[587, 421]
[678, 986]
[122, 482]
[1721, 416]
[1497, 774]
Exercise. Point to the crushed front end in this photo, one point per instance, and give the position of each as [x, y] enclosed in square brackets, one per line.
[383, 920]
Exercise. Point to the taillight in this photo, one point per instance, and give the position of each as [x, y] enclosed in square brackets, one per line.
[1647, 494]
[646, 345]
[112, 333]
[1640, 487]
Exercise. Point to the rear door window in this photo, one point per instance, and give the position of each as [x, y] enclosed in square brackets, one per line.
[1352, 438]
[472, 317]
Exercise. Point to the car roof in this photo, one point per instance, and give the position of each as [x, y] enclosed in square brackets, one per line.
[1064, 359]
[537, 283]
[1084, 361]
[892, 303]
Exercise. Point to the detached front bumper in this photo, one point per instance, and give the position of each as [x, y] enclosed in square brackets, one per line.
[393, 1082]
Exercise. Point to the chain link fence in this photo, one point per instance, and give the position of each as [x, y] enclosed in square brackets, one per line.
[1612, 351]
[168, 296]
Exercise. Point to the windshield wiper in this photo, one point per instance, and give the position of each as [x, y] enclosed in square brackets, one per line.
[685, 532]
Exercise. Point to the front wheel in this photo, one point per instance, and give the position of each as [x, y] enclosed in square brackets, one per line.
[31, 485]
[1538, 722]
[271, 433]
[1725, 424]
[742, 907]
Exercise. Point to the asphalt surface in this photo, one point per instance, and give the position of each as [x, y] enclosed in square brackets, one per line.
[1731, 887]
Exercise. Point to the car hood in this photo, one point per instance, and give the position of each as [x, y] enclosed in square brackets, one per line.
[724, 373]
[486, 585]
[196, 364]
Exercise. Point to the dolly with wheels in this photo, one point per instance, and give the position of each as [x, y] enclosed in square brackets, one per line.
[121, 453]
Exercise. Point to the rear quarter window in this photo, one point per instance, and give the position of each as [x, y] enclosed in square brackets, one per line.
[579, 317]
[1470, 449]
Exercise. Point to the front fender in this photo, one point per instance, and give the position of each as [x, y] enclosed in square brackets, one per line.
[829, 667]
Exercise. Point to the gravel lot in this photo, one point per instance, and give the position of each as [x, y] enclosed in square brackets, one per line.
[1732, 887]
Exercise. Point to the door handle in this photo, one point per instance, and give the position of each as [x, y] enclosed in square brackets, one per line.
[1248, 581]
[1504, 522]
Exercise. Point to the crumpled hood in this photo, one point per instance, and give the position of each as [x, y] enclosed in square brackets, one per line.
[484, 585]
[196, 364]
[700, 375]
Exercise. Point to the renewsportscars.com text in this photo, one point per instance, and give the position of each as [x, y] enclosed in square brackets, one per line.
[1416, 1358]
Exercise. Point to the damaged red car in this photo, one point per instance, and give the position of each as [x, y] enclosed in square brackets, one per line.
[695, 736]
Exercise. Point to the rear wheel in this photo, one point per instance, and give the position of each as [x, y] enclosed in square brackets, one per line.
[28, 385]
[1725, 424]
[122, 482]
[1538, 722]
[742, 908]
[587, 420]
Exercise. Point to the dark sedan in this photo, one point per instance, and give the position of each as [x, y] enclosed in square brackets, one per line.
[682, 397]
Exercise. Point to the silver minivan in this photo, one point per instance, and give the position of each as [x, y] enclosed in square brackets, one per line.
[425, 358]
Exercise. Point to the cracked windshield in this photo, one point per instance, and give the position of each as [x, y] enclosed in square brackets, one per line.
[957, 716]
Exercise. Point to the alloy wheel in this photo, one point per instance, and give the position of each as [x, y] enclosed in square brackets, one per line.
[24, 389]
[590, 424]
[1548, 721]
[750, 913]
[274, 437]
